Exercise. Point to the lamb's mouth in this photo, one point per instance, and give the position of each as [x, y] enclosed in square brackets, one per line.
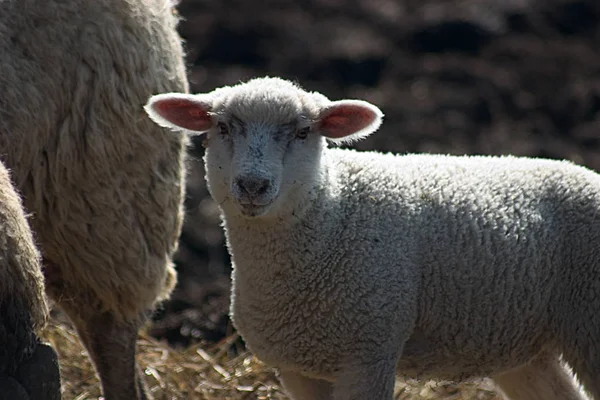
[254, 210]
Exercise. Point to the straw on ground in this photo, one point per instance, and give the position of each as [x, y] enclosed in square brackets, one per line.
[205, 372]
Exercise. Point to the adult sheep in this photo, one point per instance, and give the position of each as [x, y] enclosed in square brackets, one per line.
[103, 183]
[352, 266]
[28, 368]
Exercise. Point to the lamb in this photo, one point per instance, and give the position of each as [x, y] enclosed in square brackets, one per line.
[103, 183]
[351, 267]
[28, 368]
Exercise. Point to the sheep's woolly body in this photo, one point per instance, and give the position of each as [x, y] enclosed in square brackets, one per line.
[28, 368]
[23, 309]
[351, 266]
[102, 182]
[479, 260]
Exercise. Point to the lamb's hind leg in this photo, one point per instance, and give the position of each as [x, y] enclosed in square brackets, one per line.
[585, 361]
[369, 380]
[299, 387]
[542, 379]
[112, 347]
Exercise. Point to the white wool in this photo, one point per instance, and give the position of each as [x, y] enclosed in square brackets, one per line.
[357, 266]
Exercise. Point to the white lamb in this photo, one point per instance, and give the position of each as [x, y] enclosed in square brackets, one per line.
[350, 267]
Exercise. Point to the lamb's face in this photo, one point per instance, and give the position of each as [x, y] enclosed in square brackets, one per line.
[262, 154]
[265, 140]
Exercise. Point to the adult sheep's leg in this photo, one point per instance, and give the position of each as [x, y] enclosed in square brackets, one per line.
[542, 379]
[374, 380]
[110, 337]
[299, 387]
[111, 344]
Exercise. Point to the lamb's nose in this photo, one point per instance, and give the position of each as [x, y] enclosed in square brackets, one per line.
[253, 186]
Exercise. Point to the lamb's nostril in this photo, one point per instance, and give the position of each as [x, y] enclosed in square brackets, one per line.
[240, 185]
[253, 186]
[263, 187]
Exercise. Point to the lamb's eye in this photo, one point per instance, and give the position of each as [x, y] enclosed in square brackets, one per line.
[223, 128]
[303, 132]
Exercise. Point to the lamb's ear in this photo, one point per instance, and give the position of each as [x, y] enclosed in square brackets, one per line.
[180, 111]
[349, 120]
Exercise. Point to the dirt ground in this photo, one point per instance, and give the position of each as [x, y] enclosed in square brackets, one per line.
[464, 77]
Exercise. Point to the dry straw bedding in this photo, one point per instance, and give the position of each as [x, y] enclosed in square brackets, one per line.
[209, 372]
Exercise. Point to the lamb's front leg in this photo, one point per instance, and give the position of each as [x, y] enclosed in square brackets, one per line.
[299, 387]
[372, 380]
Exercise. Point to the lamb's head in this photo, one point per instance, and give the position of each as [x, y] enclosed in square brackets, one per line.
[265, 139]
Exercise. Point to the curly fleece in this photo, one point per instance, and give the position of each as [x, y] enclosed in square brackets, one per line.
[367, 265]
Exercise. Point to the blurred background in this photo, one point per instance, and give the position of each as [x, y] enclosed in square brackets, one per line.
[462, 77]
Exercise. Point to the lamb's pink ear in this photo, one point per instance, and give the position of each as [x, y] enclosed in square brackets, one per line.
[180, 111]
[349, 120]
